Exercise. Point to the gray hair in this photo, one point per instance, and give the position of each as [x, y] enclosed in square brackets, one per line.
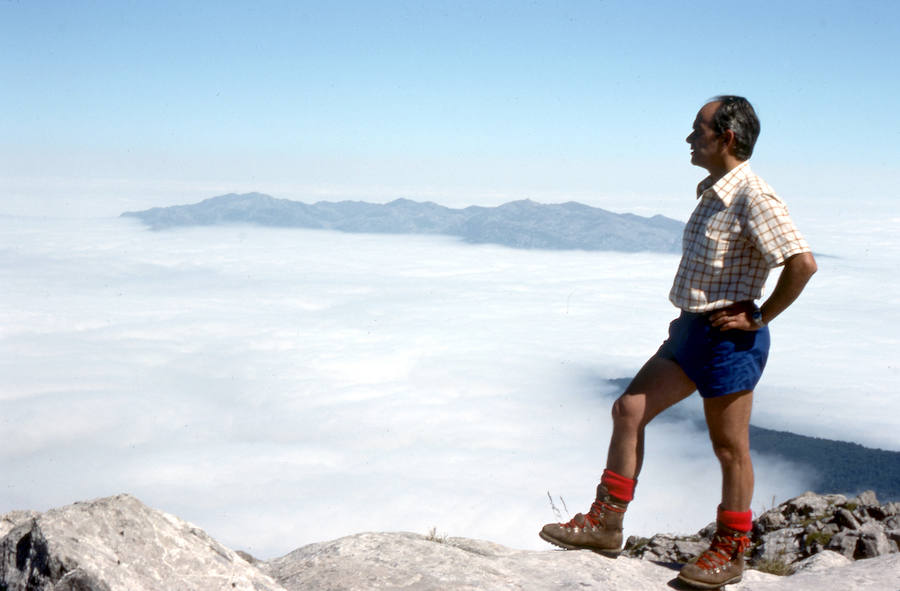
[737, 114]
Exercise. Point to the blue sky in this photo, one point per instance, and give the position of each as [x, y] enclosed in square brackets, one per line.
[116, 105]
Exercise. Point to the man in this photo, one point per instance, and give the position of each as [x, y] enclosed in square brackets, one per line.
[718, 346]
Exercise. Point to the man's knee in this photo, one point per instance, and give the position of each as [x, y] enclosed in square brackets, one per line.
[627, 410]
[728, 421]
[731, 450]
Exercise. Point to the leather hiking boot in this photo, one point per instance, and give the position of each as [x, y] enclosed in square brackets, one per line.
[720, 564]
[600, 530]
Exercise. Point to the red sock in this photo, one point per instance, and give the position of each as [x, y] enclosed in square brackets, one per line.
[741, 521]
[618, 486]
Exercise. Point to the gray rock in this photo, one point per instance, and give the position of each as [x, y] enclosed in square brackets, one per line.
[118, 544]
[844, 543]
[835, 499]
[876, 512]
[845, 519]
[687, 550]
[791, 532]
[771, 520]
[893, 536]
[13, 518]
[808, 504]
[394, 561]
[410, 561]
[867, 498]
[781, 545]
[823, 561]
[666, 548]
[873, 542]
[877, 574]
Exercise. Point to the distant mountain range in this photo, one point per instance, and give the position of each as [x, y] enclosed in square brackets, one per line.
[519, 224]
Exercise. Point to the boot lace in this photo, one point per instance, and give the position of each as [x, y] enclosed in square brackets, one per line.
[722, 550]
[594, 517]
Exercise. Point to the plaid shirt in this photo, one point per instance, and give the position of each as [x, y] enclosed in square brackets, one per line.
[738, 232]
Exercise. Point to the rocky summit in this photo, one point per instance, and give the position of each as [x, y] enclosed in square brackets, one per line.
[796, 530]
[118, 543]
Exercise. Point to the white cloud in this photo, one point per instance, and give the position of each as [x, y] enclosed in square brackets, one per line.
[280, 387]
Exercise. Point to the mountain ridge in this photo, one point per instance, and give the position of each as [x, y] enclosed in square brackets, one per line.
[518, 224]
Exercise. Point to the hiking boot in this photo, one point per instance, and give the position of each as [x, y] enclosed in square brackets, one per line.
[600, 530]
[720, 564]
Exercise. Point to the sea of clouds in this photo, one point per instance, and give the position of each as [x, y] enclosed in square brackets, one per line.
[280, 387]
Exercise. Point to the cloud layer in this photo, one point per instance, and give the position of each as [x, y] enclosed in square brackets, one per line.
[280, 387]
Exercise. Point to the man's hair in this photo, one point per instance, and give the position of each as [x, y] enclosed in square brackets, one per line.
[737, 114]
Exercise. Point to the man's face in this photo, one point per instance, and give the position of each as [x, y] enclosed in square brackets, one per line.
[707, 149]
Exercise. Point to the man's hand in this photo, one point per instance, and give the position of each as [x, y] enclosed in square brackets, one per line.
[737, 316]
[797, 271]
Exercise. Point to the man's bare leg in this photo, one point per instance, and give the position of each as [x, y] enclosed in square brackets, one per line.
[659, 384]
[728, 420]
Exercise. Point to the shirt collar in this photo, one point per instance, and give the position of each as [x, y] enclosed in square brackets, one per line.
[725, 187]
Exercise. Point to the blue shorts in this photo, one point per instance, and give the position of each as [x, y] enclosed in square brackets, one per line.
[719, 362]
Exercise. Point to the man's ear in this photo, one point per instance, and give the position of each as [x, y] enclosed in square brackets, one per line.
[727, 138]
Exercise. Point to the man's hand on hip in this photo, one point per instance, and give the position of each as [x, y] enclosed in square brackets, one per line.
[738, 316]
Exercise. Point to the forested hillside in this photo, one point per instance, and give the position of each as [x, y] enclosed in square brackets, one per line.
[840, 466]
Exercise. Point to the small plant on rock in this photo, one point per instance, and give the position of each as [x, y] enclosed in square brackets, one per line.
[773, 566]
[556, 512]
[434, 536]
[818, 537]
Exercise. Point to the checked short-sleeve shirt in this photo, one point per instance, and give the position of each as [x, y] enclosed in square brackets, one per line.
[738, 232]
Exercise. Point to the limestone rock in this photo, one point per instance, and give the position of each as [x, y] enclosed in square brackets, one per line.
[873, 542]
[844, 543]
[411, 561]
[666, 547]
[779, 545]
[807, 504]
[118, 544]
[795, 530]
[13, 518]
[867, 498]
[877, 574]
[844, 518]
[771, 520]
[406, 561]
[823, 561]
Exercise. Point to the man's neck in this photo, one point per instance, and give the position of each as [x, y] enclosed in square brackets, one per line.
[728, 163]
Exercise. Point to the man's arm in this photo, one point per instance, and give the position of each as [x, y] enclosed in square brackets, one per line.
[796, 273]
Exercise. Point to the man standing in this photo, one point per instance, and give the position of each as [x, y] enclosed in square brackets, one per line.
[718, 346]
